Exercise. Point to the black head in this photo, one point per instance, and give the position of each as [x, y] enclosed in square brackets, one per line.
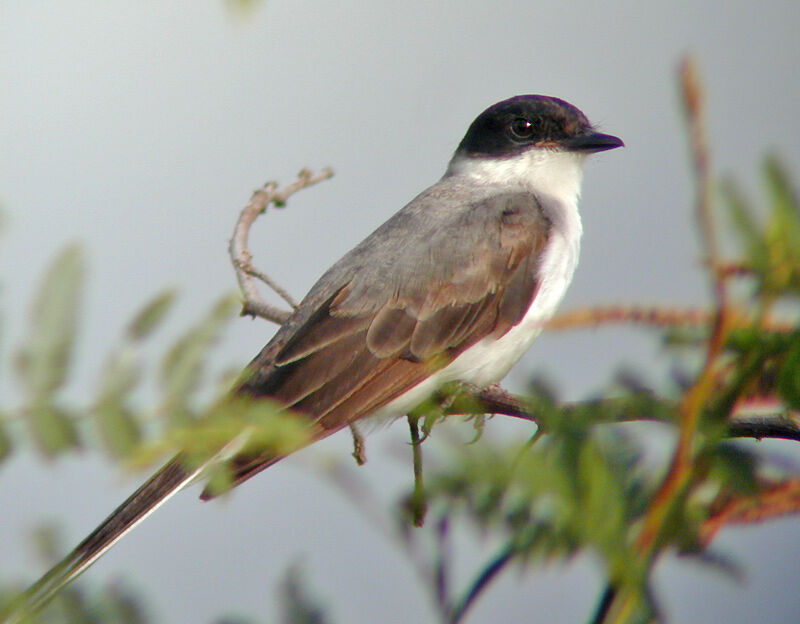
[532, 121]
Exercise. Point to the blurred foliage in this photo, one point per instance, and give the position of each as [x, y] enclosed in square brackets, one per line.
[583, 483]
[75, 605]
[298, 606]
[244, 8]
[44, 361]
[116, 603]
[772, 247]
[580, 487]
[188, 417]
[192, 414]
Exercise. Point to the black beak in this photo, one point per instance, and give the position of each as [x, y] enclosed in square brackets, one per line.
[592, 142]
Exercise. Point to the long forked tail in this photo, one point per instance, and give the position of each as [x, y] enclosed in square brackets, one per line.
[169, 480]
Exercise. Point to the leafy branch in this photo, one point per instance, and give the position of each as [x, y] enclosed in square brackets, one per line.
[580, 483]
[580, 486]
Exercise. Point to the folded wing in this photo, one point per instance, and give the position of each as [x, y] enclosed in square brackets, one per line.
[397, 315]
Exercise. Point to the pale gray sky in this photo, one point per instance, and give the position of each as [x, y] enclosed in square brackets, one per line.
[140, 129]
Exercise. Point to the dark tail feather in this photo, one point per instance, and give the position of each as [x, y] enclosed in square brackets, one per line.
[242, 471]
[169, 480]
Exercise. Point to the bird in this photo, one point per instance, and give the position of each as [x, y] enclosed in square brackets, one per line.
[454, 287]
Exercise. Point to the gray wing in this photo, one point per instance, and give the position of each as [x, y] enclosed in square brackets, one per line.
[431, 282]
[434, 280]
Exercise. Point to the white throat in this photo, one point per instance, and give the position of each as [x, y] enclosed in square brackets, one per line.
[549, 174]
[554, 178]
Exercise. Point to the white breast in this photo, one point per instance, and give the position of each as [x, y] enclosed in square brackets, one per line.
[554, 177]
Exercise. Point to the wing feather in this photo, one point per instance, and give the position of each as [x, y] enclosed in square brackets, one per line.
[390, 331]
[321, 330]
[390, 325]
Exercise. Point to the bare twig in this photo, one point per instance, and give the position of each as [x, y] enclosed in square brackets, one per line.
[694, 105]
[733, 269]
[442, 564]
[246, 274]
[359, 449]
[277, 288]
[604, 604]
[679, 475]
[488, 573]
[655, 316]
[773, 501]
[660, 317]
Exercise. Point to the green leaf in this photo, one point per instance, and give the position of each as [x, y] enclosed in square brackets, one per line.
[741, 213]
[182, 367]
[149, 318]
[789, 375]
[119, 429]
[261, 427]
[782, 233]
[603, 502]
[783, 198]
[735, 467]
[5, 441]
[123, 607]
[47, 543]
[44, 360]
[53, 428]
[116, 422]
[120, 377]
[75, 608]
[298, 606]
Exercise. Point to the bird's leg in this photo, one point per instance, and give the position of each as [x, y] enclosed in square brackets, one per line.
[359, 449]
[418, 504]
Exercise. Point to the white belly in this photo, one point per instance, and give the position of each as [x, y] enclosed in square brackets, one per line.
[488, 361]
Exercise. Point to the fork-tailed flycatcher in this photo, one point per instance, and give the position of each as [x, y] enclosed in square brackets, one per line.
[453, 287]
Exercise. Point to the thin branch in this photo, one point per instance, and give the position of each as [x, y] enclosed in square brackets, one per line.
[277, 288]
[419, 505]
[488, 573]
[781, 425]
[305, 179]
[246, 274]
[253, 304]
[746, 422]
[681, 473]
[442, 565]
[734, 269]
[656, 316]
[496, 400]
[604, 604]
[773, 501]
[694, 104]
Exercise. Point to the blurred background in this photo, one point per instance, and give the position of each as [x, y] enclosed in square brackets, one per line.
[140, 129]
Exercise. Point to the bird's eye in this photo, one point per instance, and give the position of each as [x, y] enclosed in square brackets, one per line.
[521, 128]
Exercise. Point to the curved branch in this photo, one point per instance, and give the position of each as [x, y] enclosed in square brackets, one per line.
[744, 423]
[246, 274]
[488, 573]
